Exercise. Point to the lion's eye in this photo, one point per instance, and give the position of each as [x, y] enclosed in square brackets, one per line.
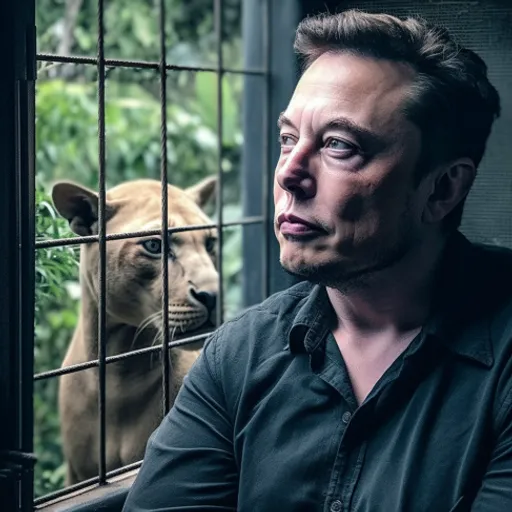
[210, 244]
[153, 246]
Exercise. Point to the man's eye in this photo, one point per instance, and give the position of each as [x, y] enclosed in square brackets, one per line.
[338, 145]
[286, 140]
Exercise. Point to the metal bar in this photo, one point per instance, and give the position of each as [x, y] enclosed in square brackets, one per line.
[119, 357]
[102, 247]
[19, 197]
[40, 244]
[266, 174]
[26, 280]
[218, 12]
[124, 63]
[9, 347]
[165, 214]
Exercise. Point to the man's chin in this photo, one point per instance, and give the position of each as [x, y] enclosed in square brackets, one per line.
[312, 273]
[333, 274]
[343, 274]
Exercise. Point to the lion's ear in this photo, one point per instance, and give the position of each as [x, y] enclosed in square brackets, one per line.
[79, 206]
[203, 191]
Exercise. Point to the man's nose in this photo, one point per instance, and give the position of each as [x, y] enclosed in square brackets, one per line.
[294, 175]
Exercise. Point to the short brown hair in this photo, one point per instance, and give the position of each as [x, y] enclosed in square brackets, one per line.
[452, 101]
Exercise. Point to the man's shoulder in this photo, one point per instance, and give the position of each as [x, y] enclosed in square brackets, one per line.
[493, 269]
[492, 282]
[495, 253]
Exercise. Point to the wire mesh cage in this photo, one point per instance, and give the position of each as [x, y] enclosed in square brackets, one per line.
[105, 67]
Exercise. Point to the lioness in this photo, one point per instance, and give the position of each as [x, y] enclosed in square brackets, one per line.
[133, 314]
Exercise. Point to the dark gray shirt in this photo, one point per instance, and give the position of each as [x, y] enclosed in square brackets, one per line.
[267, 420]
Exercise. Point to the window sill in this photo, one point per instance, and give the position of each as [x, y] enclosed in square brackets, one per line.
[96, 498]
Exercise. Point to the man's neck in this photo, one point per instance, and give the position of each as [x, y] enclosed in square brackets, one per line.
[395, 301]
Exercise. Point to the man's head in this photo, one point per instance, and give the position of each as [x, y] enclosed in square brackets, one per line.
[380, 143]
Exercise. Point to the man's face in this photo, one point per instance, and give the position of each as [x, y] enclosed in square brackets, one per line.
[344, 190]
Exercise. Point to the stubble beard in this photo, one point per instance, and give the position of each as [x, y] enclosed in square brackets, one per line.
[350, 277]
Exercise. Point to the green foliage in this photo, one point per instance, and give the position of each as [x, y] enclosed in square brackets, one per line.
[55, 317]
[55, 265]
[132, 30]
[67, 148]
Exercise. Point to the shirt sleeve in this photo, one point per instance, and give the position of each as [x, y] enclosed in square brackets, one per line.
[189, 462]
[495, 493]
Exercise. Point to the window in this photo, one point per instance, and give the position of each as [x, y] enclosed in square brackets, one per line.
[107, 110]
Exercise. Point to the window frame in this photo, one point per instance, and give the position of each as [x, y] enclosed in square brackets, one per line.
[17, 225]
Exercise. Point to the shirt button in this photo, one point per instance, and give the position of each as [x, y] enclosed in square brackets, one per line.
[336, 506]
[346, 417]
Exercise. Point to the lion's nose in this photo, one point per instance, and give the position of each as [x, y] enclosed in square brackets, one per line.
[208, 299]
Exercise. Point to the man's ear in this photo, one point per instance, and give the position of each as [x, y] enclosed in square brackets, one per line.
[79, 206]
[449, 186]
[203, 191]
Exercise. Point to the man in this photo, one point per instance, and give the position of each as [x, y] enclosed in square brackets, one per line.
[384, 381]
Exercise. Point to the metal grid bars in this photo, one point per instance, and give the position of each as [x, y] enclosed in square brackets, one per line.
[218, 11]
[163, 68]
[102, 245]
[165, 238]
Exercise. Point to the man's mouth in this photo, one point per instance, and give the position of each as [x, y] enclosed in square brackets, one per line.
[294, 226]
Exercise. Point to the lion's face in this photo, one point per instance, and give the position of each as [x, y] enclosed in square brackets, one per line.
[134, 266]
[136, 294]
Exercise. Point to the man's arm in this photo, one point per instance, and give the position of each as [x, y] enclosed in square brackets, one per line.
[189, 462]
[495, 493]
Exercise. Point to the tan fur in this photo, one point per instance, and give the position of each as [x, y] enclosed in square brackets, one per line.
[134, 305]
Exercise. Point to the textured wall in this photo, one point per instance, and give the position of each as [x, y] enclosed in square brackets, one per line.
[485, 27]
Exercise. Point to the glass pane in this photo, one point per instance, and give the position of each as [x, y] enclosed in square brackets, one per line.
[66, 137]
[66, 149]
[133, 31]
[132, 123]
[66, 27]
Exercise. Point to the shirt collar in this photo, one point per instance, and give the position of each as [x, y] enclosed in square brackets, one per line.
[312, 321]
[462, 304]
[456, 303]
